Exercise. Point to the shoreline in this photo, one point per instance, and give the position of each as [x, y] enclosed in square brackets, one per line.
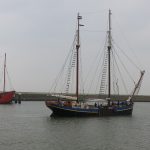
[39, 96]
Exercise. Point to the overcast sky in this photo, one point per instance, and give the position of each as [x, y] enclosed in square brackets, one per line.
[37, 34]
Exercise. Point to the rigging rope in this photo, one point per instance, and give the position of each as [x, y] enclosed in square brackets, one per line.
[121, 76]
[97, 58]
[56, 81]
[9, 79]
[81, 74]
[115, 81]
[103, 74]
[124, 66]
[127, 42]
[126, 56]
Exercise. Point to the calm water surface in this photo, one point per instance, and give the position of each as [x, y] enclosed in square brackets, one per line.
[29, 127]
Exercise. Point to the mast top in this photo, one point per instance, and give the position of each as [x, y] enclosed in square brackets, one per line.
[79, 17]
[109, 30]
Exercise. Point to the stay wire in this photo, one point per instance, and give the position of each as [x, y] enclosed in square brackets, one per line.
[121, 76]
[55, 83]
[9, 79]
[129, 45]
[126, 56]
[96, 70]
[114, 73]
[100, 53]
[124, 66]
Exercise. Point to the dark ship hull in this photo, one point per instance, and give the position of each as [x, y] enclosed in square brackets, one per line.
[68, 111]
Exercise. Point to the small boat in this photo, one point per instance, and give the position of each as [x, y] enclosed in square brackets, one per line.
[68, 105]
[6, 97]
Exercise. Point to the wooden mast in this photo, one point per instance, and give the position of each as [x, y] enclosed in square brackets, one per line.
[77, 61]
[109, 58]
[4, 73]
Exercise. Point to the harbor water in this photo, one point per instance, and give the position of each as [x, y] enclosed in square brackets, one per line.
[28, 126]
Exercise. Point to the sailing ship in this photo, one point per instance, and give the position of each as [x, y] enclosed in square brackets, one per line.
[6, 97]
[67, 105]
